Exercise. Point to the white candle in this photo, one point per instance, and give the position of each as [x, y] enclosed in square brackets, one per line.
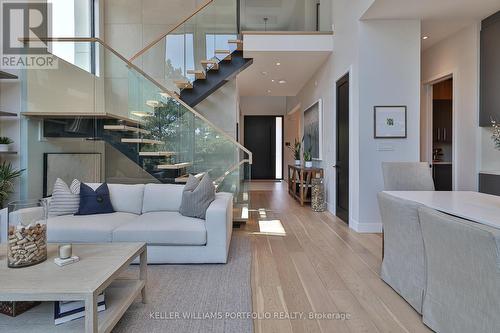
[65, 251]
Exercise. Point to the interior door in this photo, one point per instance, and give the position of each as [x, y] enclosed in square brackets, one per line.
[342, 163]
[260, 139]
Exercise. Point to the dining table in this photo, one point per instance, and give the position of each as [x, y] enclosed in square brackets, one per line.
[474, 206]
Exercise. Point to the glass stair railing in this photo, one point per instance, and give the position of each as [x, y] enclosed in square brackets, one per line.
[193, 60]
[199, 55]
[112, 108]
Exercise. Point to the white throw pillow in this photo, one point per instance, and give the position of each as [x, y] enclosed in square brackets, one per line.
[65, 200]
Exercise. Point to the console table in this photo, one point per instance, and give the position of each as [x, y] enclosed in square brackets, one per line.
[299, 182]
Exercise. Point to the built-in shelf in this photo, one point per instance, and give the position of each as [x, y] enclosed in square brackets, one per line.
[5, 75]
[7, 114]
[8, 152]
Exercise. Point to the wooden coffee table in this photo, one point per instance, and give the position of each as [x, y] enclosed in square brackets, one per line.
[98, 270]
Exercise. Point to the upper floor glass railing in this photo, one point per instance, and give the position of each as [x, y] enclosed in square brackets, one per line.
[198, 43]
[289, 15]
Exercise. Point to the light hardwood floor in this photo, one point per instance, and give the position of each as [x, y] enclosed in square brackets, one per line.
[322, 266]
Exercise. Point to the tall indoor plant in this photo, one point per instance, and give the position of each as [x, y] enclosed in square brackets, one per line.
[7, 176]
[297, 147]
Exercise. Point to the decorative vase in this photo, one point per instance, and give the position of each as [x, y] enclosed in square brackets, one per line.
[4, 147]
[27, 233]
[297, 162]
[318, 203]
[308, 164]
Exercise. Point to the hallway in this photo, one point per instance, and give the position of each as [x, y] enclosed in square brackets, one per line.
[318, 265]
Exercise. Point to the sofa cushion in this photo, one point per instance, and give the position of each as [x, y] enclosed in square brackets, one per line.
[125, 198]
[197, 196]
[85, 228]
[162, 197]
[94, 201]
[65, 199]
[163, 228]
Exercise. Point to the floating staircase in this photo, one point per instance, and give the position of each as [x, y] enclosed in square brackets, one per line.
[216, 72]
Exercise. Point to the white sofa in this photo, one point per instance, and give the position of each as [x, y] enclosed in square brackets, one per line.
[150, 213]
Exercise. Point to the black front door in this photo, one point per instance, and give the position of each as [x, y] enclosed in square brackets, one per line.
[342, 164]
[260, 139]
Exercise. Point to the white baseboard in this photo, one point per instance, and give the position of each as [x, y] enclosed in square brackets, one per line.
[330, 207]
[365, 227]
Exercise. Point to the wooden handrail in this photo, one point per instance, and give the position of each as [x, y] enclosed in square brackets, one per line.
[154, 42]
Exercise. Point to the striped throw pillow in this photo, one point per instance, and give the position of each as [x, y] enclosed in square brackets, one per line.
[65, 200]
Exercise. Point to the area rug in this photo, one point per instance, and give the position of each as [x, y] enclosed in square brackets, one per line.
[196, 298]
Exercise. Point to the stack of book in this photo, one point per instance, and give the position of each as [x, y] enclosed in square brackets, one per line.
[66, 311]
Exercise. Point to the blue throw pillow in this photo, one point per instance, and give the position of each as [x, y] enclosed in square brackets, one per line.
[94, 202]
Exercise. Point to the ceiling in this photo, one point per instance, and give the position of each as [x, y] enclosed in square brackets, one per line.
[296, 69]
[440, 18]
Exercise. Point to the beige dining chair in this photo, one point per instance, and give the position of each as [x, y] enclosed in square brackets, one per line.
[407, 176]
[463, 274]
[403, 264]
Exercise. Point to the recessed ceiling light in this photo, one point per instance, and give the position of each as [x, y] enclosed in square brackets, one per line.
[278, 64]
[425, 37]
[264, 73]
[272, 80]
[268, 91]
[282, 81]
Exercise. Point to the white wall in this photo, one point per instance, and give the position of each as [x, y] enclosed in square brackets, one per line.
[263, 105]
[389, 69]
[457, 55]
[383, 59]
[129, 25]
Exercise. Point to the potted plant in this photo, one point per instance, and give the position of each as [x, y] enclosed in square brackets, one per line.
[308, 159]
[297, 146]
[4, 143]
[7, 176]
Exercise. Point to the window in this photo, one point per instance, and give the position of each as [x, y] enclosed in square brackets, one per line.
[180, 54]
[279, 148]
[217, 42]
[73, 18]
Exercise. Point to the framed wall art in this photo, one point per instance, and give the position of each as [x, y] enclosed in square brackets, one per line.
[313, 130]
[390, 122]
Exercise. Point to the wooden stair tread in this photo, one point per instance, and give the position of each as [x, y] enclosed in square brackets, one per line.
[183, 84]
[153, 103]
[198, 74]
[173, 166]
[213, 63]
[238, 42]
[157, 153]
[184, 178]
[139, 140]
[125, 128]
[222, 52]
